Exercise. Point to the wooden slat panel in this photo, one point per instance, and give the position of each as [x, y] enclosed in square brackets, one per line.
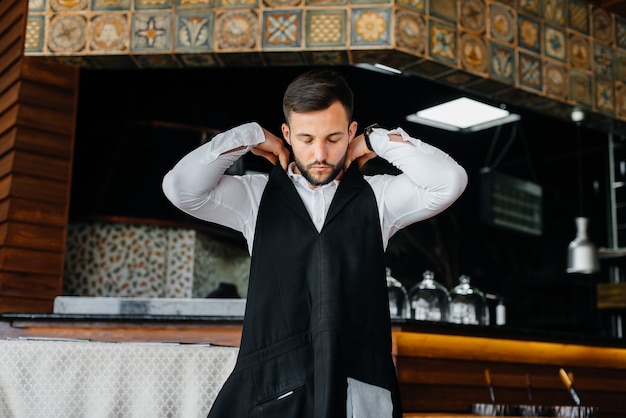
[36, 140]
[12, 56]
[45, 95]
[11, 37]
[8, 119]
[37, 286]
[9, 97]
[51, 73]
[32, 236]
[54, 120]
[33, 188]
[32, 211]
[14, 304]
[19, 260]
[13, 12]
[23, 162]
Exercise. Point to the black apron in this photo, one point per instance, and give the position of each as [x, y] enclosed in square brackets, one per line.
[317, 310]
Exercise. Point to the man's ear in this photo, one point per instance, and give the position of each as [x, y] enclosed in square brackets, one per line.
[285, 129]
[352, 129]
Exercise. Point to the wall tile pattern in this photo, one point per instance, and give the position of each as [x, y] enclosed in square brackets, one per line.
[566, 51]
[126, 260]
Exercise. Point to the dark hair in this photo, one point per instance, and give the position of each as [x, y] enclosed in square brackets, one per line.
[317, 90]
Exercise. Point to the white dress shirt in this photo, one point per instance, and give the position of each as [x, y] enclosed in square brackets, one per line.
[430, 182]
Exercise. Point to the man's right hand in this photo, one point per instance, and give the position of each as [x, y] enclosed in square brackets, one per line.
[273, 149]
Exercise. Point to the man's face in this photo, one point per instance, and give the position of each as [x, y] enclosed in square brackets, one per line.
[319, 141]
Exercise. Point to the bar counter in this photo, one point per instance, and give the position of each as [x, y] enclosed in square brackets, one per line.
[441, 367]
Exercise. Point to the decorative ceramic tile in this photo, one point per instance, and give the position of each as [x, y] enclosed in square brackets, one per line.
[578, 16]
[620, 32]
[68, 5]
[418, 5]
[579, 51]
[620, 100]
[198, 60]
[194, 31]
[556, 80]
[241, 59]
[410, 31]
[282, 3]
[428, 69]
[473, 16]
[370, 27]
[580, 87]
[619, 66]
[36, 6]
[200, 4]
[369, 1]
[555, 11]
[602, 26]
[603, 60]
[326, 27]
[460, 79]
[502, 63]
[109, 32]
[529, 33]
[444, 9]
[35, 26]
[116, 61]
[325, 2]
[156, 61]
[501, 23]
[554, 45]
[238, 3]
[530, 72]
[75, 60]
[67, 33]
[282, 29]
[473, 53]
[327, 57]
[530, 6]
[150, 32]
[110, 5]
[284, 58]
[442, 42]
[604, 97]
[237, 30]
[152, 4]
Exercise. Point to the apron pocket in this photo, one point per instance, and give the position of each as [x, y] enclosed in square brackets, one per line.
[289, 403]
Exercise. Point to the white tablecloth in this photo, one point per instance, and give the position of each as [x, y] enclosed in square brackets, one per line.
[81, 379]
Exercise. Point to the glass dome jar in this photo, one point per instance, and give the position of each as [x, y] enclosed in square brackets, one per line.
[468, 304]
[398, 297]
[429, 299]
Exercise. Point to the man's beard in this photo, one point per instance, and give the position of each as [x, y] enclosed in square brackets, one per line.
[335, 170]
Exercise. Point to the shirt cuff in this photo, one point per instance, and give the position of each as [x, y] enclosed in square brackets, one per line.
[247, 135]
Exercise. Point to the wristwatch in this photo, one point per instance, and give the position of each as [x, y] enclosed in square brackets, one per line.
[366, 135]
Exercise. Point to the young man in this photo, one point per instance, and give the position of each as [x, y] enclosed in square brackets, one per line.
[316, 336]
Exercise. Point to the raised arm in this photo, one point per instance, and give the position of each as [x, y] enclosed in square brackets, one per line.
[197, 184]
[430, 181]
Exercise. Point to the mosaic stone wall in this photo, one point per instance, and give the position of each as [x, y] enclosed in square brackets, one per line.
[124, 260]
[548, 55]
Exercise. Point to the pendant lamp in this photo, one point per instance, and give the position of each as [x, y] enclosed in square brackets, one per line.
[582, 255]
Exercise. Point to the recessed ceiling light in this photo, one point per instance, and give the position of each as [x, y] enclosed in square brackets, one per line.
[464, 115]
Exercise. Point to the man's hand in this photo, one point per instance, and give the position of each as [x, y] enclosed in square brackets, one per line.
[273, 149]
[358, 151]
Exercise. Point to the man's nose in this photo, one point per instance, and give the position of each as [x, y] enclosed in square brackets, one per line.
[320, 151]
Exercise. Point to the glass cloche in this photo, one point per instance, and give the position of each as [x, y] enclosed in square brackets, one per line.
[398, 298]
[429, 299]
[468, 304]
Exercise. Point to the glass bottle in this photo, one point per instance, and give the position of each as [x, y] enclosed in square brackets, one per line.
[398, 297]
[468, 304]
[429, 299]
